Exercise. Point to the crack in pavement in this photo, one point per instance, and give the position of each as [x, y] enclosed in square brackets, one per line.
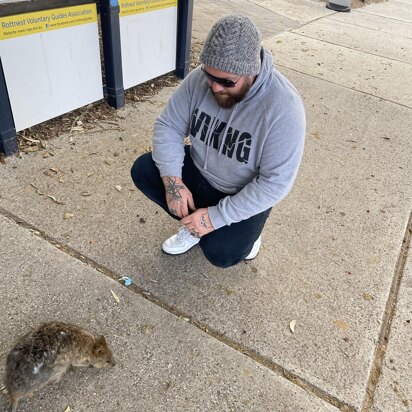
[388, 316]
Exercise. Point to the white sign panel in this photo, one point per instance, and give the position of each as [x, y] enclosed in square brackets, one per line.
[51, 62]
[148, 31]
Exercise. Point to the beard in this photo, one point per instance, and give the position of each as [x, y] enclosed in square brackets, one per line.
[227, 101]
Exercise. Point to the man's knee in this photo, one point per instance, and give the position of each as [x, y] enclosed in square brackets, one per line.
[221, 259]
[142, 169]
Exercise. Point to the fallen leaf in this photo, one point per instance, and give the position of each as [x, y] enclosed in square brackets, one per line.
[28, 139]
[367, 296]
[229, 291]
[341, 324]
[31, 149]
[373, 260]
[147, 329]
[55, 200]
[44, 144]
[48, 173]
[115, 296]
[247, 372]
[118, 188]
[292, 325]
[67, 409]
[68, 215]
[109, 161]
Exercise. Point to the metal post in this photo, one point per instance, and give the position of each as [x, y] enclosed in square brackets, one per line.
[184, 35]
[109, 15]
[8, 141]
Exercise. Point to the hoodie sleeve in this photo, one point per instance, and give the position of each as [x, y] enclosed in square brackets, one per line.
[282, 153]
[171, 127]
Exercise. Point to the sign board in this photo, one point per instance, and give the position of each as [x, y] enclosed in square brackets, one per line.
[148, 30]
[51, 62]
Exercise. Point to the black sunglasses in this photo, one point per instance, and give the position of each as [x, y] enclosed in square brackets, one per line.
[223, 82]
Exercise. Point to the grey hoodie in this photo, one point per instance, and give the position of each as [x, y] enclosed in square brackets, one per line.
[251, 152]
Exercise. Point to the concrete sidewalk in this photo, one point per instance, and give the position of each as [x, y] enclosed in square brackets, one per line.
[192, 337]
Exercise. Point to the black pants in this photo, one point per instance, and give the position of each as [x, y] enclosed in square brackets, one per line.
[223, 247]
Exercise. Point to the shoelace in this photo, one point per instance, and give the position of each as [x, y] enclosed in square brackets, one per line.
[183, 234]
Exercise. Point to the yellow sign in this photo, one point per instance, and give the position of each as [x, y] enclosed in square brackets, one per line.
[128, 7]
[46, 20]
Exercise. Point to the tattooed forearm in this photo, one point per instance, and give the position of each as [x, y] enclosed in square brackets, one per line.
[174, 188]
[203, 222]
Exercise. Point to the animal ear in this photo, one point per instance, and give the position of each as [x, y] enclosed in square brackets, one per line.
[101, 341]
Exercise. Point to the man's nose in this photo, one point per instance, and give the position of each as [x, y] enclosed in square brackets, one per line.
[216, 87]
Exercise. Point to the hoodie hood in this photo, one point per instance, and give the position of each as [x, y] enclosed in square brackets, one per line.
[262, 81]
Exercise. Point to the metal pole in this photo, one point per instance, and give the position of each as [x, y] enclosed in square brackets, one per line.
[8, 141]
[109, 15]
[184, 35]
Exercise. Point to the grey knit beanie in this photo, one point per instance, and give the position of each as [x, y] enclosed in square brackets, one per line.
[233, 45]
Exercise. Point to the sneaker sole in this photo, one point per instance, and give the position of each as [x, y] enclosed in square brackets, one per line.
[170, 252]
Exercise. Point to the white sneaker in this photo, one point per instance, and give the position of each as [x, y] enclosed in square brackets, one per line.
[179, 243]
[255, 249]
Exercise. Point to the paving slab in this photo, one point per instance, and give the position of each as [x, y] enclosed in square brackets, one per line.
[394, 391]
[301, 11]
[359, 38]
[350, 68]
[393, 9]
[163, 362]
[329, 250]
[379, 23]
[207, 12]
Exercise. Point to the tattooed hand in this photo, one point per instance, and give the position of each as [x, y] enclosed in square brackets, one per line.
[178, 197]
[198, 223]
